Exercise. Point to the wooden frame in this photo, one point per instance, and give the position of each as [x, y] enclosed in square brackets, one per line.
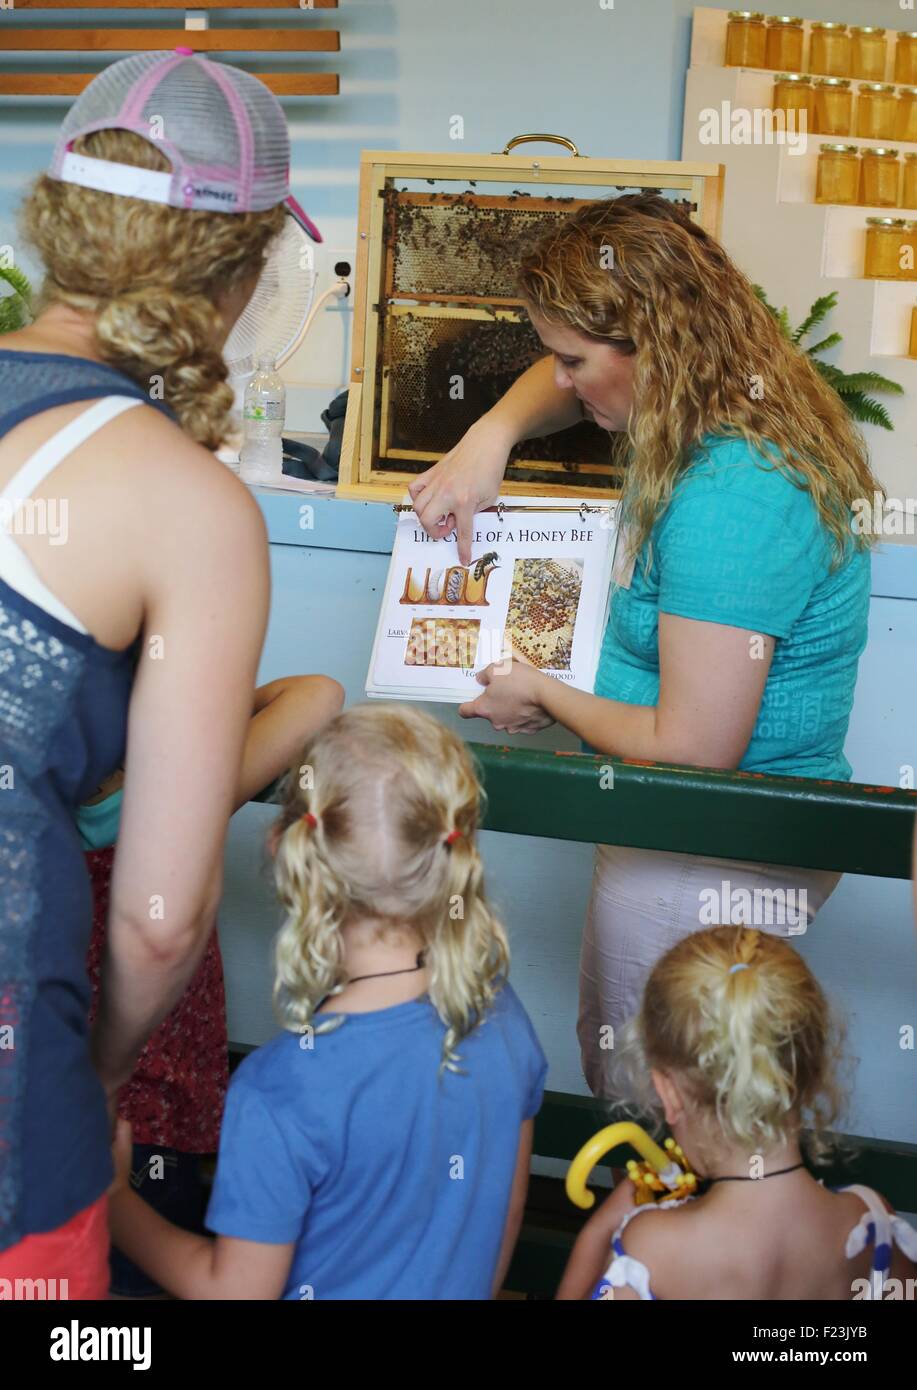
[196, 34]
[702, 184]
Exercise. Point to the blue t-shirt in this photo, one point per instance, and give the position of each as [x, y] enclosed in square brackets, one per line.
[392, 1178]
[739, 544]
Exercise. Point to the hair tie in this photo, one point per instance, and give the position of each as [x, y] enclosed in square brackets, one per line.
[740, 966]
[452, 837]
[310, 820]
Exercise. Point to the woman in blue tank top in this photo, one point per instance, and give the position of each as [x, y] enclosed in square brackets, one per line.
[127, 543]
[741, 588]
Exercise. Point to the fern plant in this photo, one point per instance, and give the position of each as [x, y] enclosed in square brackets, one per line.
[852, 387]
[15, 308]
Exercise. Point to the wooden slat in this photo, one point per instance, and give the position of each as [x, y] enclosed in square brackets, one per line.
[201, 40]
[172, 5]
[70, 84]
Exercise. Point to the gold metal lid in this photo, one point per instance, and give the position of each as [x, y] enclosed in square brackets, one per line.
[886, 222]
[746, 14]
[912, 155]
[792, 77]
[877, 87]
[882, 152]
[839, 82]
[908, 91]
[907, 34]
[866, 29]
[842, 149]
[782, 19]
[829, 24]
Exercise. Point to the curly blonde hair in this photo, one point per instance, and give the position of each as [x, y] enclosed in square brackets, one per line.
[385, 789]
[150, 275]
[758, 1050]
[701, 336]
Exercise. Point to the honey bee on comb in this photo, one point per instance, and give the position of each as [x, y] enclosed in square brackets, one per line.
[543, 603]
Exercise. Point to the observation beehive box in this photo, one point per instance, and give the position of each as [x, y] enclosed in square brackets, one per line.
[440, 331]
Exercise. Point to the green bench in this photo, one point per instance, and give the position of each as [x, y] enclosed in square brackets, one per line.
[799, 821]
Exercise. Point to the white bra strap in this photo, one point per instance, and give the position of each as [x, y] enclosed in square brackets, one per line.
[36, 468]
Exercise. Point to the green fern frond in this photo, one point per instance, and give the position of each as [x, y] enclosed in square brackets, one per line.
[866, 411]
[856, 382]
[816, 315]
[831, 341]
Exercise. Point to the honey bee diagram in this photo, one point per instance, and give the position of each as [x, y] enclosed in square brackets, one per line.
[460, 585]
[543, 603]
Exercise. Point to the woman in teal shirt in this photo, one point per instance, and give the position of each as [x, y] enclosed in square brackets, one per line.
[741, 591]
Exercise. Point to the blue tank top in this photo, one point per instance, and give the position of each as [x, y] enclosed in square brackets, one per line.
[63, 720]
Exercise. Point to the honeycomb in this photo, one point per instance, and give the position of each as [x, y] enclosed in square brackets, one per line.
[442, 642]
[543, 602]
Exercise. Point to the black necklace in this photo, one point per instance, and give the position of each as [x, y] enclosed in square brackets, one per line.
[742, 1177]
[382, 974]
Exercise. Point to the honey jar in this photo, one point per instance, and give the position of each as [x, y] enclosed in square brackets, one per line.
[793, 93]
[885, 240]
[912, 352]
[829, 53]
[906, 58]
[880, 176]
[784, 43]
[833, 106]
[867, 53]
[909, 182]
[877, 111]
[838, 175]
[906, 116]
[746, 39]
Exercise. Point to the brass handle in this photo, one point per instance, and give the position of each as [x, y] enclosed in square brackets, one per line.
[552, 139]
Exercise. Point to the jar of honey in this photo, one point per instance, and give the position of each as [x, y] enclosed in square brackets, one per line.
[833, 106]
[877, 111]
[784, 43]
[886, 238]
[838, 176]
[909, 182]
[906, 116]
[794, 93]
[880, 178]
[746, 39]
[906, 58]
[867, 53]
[829, 53]
[913, 348]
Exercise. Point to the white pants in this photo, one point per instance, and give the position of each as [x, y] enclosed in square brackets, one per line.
[644, 901]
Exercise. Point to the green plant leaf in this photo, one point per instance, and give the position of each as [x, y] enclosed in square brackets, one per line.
[816, 315]
[866, 411]
[868, 381]
[17, 280]
[831, 341]
[11, 315]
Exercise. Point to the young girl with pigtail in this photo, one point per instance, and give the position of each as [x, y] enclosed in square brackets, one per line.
[379, 1147]
[737, 1039]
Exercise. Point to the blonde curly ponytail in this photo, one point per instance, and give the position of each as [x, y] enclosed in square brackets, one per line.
[151, 276]
[737, 1016]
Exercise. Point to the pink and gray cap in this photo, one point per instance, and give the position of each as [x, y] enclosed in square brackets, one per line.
[222, 130]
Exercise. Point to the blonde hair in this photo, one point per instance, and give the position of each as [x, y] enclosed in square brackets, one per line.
[150, 275]
[385, 788]
[756, 1049]
[672, 297]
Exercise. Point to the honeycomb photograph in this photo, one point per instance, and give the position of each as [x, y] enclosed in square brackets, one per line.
[542, 610]
[442, 642]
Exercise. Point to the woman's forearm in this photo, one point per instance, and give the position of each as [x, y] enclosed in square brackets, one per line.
[622, 731]
[535, 405]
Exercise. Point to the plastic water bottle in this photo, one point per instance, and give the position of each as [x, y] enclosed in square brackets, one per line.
[263, 410]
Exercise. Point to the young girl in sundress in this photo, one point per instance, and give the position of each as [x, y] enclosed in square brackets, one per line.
[738, 1041]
